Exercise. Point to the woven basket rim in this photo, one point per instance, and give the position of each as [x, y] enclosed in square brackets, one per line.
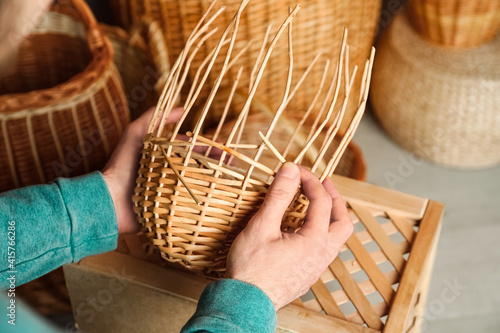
[102, 57]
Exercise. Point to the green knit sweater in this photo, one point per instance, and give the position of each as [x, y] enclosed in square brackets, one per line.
[46, 226]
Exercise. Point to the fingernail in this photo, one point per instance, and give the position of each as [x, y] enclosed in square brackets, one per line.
[289, 170]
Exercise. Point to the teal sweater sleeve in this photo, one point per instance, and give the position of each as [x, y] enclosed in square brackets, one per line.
[232, 306]
[46, 226]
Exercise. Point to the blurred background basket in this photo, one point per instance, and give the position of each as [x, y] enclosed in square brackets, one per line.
[47, 295]
[440, 104]
[456, 23]
[141, 57]
[62, 111]
[317, 28]
[62, 106]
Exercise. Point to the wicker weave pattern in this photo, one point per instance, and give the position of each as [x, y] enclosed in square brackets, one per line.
[62, 108]
[140, 56]
[456, 23]
[318, 28]
[440, 104]
[193, 205]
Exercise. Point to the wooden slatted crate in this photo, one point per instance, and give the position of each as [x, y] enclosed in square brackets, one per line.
[379, 282]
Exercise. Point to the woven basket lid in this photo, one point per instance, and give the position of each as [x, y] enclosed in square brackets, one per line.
[440, 104]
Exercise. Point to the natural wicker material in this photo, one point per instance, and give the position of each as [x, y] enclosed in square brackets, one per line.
[352, 164]
[62, 107]
[137, 55]
[319, 28]
[192, 206]
[47, 295]
[439, 104]
[456, 23]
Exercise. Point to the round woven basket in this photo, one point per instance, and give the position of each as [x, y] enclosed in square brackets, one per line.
[318, 28]
[62, 106]
[192, 204]
[456, 23]
[140, 57]
[440, 104]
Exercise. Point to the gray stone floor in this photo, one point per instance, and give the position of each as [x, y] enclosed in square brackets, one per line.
[464, 294]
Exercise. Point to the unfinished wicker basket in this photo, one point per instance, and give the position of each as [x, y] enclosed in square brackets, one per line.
[352, 164]
[142, 59]
[440, 104]
[62, 107]
[456, 23]
[318, 30]
[192, 206]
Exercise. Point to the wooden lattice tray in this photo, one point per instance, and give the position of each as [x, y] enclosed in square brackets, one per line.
[379, 282]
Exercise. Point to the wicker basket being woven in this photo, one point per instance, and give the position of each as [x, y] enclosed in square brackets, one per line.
[456, 23]
[62, 107]
[191, 205]
[352, 163]
[318, 30]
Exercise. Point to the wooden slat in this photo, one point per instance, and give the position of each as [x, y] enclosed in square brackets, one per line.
[376, 197]
[353, 265]
[419, 255]
[404, 226]
[341, 297]
[424, 284]
[355, 294]
[293, 318]
[385, 243]
[381, 309]
[371, 268]
[326, 300]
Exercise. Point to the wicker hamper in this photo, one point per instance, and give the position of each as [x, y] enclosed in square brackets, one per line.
[440, 104]
[142, 59]
[62, 111]
[62, 107]
[193, 204]
[456, 23]
[318, 28]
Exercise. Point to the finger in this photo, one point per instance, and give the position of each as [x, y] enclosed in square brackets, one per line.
[341, 226]
[320, 205]
[278, 198]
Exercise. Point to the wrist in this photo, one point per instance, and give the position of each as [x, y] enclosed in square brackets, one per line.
[122, 203]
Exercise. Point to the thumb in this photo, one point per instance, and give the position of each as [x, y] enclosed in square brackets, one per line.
[278, 198]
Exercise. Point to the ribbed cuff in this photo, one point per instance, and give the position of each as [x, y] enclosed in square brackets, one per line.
[233, 306]
[94, 228]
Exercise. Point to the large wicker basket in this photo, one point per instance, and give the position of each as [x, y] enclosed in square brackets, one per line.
[440, 104]
[319, 28]
[62, 106]
[142, 59]
[456, 23]
[192, 204]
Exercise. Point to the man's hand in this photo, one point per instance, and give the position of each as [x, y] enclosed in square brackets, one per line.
[285, 265]
[121, 171]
